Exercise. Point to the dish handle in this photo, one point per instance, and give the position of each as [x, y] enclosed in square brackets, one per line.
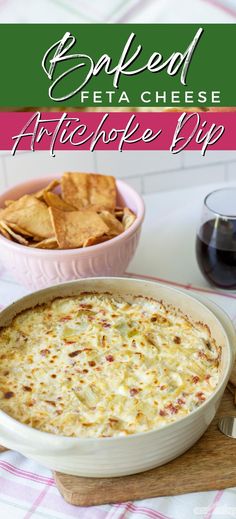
[58, 446]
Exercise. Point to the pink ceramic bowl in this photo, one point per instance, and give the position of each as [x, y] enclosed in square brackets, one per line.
[38, 268]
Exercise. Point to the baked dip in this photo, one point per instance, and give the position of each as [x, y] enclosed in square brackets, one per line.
[100, 365]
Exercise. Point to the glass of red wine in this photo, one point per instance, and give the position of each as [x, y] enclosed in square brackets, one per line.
[216, 238]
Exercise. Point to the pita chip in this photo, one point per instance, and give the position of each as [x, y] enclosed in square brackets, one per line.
[128, 218]
[119, 213]
[16, 237]
[95, 241]
[73, 228]
[40, 194]
[83, 190]
[5, 233]
[30, 214]
[8, 202]
[20, 230]
[74, 188]
[53, 200]
[48, 243]
[102, 191]
[115, 227]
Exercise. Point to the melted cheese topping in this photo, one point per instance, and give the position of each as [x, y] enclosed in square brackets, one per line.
[96, 365]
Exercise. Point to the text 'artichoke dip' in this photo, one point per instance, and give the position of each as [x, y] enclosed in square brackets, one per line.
[97, 365]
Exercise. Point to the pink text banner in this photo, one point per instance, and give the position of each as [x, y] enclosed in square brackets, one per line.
[122, 131]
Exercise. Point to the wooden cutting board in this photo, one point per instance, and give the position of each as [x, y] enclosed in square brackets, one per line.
[209, 465]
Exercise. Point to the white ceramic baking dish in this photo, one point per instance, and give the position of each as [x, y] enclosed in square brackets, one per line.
[110, 457]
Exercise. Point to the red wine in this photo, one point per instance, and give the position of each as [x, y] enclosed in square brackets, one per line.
[216, 252]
